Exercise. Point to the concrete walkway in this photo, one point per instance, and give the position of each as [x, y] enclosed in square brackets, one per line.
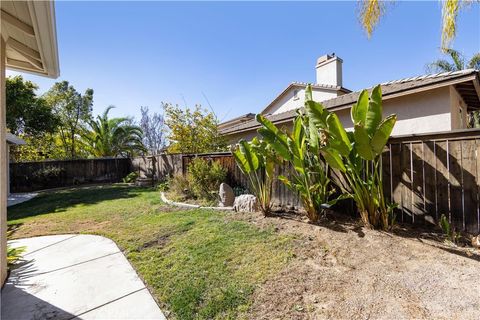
[75, 277]
[16, 198]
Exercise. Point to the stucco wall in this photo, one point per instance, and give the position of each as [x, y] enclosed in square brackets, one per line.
[458, 109]
[423, 112]
[289, 102]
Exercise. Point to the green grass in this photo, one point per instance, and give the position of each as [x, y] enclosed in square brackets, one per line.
[200, 264]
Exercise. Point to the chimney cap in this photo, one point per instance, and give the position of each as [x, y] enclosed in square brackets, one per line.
[327, 58]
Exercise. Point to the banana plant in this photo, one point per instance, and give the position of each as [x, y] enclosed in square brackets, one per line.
[301, 148]
[357, 154]
[256, 159]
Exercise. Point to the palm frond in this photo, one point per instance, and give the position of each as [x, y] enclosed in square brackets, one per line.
[440, 66]
[457, 58]
[370, 13]
[449, 21]
[474, 62]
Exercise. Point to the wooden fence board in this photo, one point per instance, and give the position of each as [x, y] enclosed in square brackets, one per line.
[442, 178]
[456, 184]
[429, 183]
[470, 189]
[417, 194]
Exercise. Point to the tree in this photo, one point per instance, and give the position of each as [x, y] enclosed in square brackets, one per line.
[371, 12]
[458, 62]
[73, 110]
[153, 127]
[192, 131]
[27, 114]
[113, 137]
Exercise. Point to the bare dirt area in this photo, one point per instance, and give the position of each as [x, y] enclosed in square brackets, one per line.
[344, 271]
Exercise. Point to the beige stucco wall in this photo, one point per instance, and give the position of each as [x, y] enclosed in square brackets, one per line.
[458, 110]
[289, 102]
[423, 112]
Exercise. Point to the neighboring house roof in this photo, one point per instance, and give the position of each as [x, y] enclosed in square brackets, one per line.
[466, 82]
[237, 120]
[13, 139]
[302, 85]
[28, 28]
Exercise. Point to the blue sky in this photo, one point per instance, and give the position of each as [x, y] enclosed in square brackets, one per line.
[238, 55]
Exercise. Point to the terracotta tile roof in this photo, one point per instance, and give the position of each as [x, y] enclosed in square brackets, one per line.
[390, 88]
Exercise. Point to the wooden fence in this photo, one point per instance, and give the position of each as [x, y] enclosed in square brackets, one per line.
[32, 176]
[426, 175]
[434, 174]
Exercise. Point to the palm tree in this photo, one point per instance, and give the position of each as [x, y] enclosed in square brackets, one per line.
[458, 62]
[372, 10]
[113, 137]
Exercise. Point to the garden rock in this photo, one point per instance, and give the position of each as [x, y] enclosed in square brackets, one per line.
[476, 242]
[245, 203]
[226, 195]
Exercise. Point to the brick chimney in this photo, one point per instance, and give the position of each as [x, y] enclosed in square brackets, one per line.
[329, 70]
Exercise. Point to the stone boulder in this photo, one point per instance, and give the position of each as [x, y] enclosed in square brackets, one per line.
[476, 242]
[246, 203]
[226, 196]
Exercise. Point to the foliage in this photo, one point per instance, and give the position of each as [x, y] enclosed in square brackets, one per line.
[257, 159]
[73, 111]
[458, 62]
[164, 185]
[113, 137]
[27, 114]
[447, 229]
[205, 178]
[357, 154]
[13, 254]
[131, 177]
[179, 186]
[153, 127]
[371, 12]
[202, 264]
[301, 147]
[48, 173]
[192, 131]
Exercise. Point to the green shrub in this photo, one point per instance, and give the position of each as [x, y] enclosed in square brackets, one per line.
[164, 185]
[447, 229]
[257, 159]
[13, 254]
[205, 177]
[48, 173]
[131, 177]
[179, 187]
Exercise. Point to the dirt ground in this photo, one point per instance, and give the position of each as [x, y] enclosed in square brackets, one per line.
[344, 271]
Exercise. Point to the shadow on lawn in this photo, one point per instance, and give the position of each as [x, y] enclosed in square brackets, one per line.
[60, 200]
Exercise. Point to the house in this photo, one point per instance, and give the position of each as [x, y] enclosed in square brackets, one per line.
[423, 104]
[28, 43]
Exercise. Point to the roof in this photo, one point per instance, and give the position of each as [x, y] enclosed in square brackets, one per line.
[302, 85]
[13, 139]
[391, 89]
[237, 120]
[28, 29]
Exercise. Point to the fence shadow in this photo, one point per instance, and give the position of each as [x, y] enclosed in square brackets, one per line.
[61, 200]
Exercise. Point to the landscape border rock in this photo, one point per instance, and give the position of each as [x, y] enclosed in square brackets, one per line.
[191, 206]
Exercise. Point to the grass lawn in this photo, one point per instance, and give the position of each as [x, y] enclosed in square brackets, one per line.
[199, 264]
